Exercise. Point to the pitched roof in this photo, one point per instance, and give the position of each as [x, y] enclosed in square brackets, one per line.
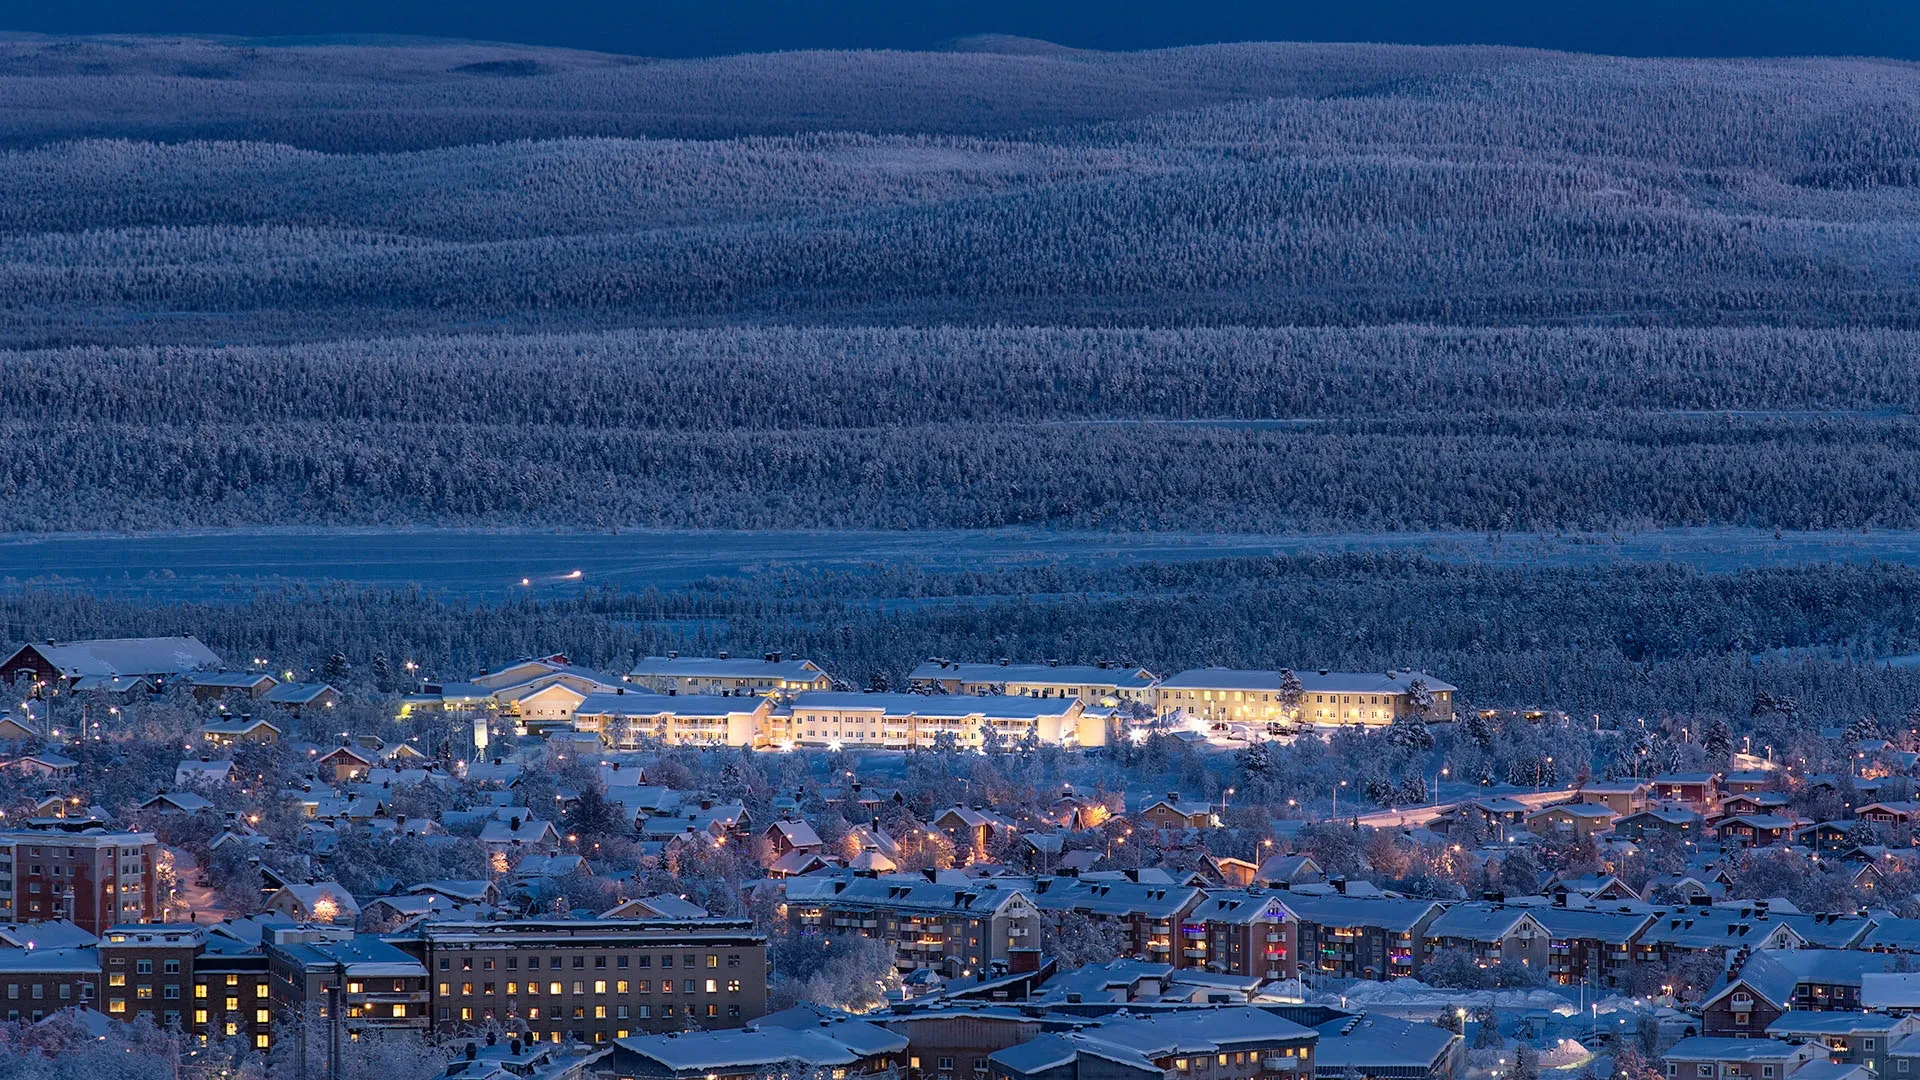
[128, 656]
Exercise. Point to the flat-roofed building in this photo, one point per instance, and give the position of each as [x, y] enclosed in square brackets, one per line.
[34, 983]
[908, 721]
[1105, 685]
[592, 980]
[78, 870]
[1327, 698]
[380, 986]
[772, 673]
[626, 719]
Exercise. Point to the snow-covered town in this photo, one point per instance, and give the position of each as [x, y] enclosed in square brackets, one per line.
[1000, 870]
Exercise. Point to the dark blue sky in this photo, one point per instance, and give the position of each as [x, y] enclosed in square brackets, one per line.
[707, 27]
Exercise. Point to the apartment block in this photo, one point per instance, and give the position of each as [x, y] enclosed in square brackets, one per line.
[77, 870]
[591, 980]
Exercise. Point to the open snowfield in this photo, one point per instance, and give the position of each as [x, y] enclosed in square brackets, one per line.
[489, 564]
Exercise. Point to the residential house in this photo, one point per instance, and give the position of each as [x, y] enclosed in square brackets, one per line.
[1848, 1037]
[1697, 791]
[227, 731]
[1582, 819]
[1702, 1058]
[1174, 812]
[344, 764]
[316, 902]
[217, 685]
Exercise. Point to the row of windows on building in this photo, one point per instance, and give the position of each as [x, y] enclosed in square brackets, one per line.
[598, 1012]
[620, 986]
[556, 963]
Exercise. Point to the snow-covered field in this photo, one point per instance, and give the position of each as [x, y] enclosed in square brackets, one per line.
[496, 563]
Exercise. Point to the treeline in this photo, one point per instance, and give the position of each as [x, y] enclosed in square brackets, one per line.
[1487, 472]
[1648, 641]
[771, 378]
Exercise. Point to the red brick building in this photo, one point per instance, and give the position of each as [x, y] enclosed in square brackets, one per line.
[94, 876]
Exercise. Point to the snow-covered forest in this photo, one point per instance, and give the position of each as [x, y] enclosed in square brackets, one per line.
[1377, 288]
[1620, 642]
[1249, 287]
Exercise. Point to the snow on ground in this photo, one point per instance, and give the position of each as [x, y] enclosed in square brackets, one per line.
[483, 563]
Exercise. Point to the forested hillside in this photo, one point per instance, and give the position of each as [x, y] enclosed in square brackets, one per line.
[1251, 287]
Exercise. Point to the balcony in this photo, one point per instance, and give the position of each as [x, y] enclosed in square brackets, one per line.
[1275, 938]
[1195, 954]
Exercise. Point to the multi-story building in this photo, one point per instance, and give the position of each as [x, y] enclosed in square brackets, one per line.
[147, 969]
[908, 721]
[1327, 698]
[78, 870]
[1360, 937]
[626, 718]
[957, 930]
[1849, 1038]
[377, 985]
[591, 980]
[1592, 946]
[1245, 933]
[1153, 919]
[38, 982]
[723, 674]
[1101, 685]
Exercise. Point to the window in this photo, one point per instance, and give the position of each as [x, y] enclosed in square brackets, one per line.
[118, 978]
[579, 987]
[171, 993]
[733, 986]
[599, 986]
[260, 990]
[554, 988]
[143, 967]
[712, 960]
[620, 987]
[513, 987]
[171, 967]
[579, 961]
[262, 1016]
[1703, 1070]
[713, 986]
[200, 990]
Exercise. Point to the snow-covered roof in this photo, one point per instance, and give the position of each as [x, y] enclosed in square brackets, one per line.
[1312, 682]
[713, 667]
[128, 656]
[298, 693]
[1371, 1044]
[1041, 674]
[996, 706]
